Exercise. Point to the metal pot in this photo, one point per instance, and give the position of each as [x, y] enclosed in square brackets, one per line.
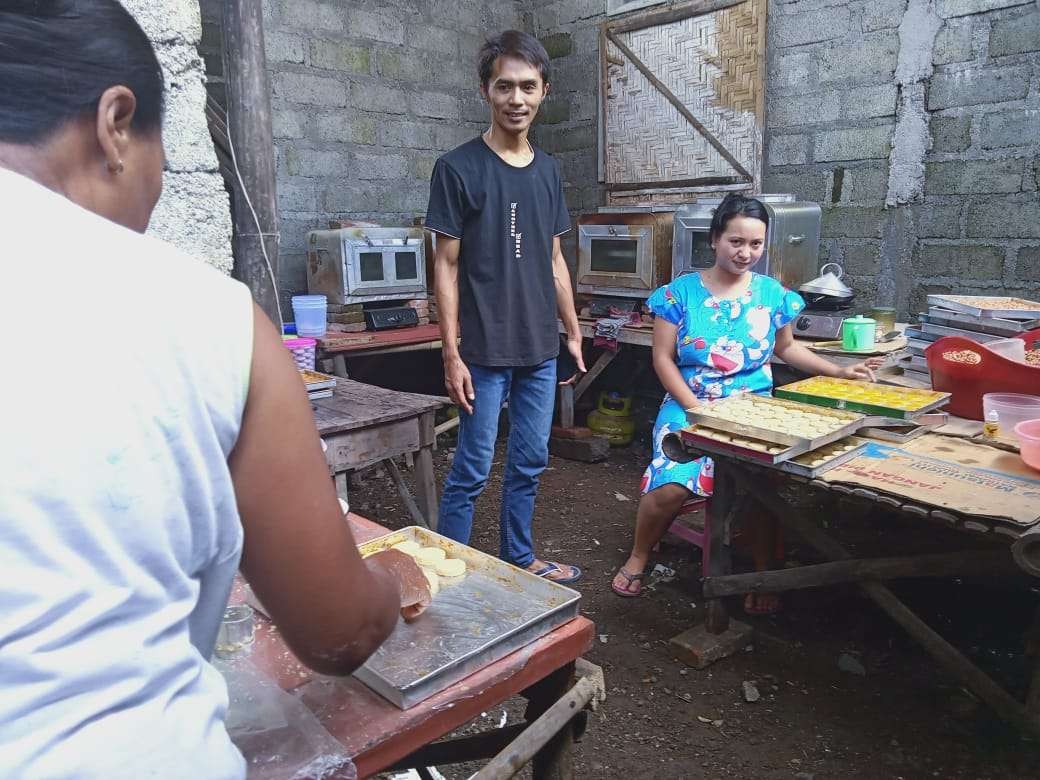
[828, 284]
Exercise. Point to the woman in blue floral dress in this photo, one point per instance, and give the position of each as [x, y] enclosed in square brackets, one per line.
[714, 334]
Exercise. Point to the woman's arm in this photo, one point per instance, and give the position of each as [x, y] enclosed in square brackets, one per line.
[665, 366]
[298, 552]
[800, 357]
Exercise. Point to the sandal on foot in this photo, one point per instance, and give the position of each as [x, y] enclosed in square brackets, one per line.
[551, 568]
[632, 578]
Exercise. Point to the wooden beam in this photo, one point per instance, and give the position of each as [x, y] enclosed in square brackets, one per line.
[255, 207]
[971, 563]
[671, 14]
[601, 363]
[949, 657]
[405, 493]
[454, 751]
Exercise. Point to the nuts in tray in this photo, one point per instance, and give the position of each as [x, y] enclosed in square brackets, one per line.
[1033, 357]
[819, 457]
[903, 398]
[1009, 304]
[773, 414]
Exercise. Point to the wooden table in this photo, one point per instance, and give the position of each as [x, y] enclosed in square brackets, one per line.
[339, 346]
[777, 493]
[379, 736]
[363, 425]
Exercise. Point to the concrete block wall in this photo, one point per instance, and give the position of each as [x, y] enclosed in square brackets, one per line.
[916, 125]
[194, 212]
[366, 95]
[568, 122]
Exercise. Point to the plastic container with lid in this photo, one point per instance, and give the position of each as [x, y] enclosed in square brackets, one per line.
[1028, 433]
[303, 352]
[311, 313]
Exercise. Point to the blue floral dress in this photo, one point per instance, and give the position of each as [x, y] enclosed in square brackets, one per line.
[722, 347]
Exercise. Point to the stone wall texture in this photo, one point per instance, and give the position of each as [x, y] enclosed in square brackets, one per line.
[193, 213]
[366, 96]
[914, 123]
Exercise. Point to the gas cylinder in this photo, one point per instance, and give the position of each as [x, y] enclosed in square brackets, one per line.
[613, 418]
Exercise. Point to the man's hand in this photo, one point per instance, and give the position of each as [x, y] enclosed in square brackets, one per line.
[574, 347]
[459, 383]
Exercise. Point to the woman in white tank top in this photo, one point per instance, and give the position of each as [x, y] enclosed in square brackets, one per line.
[134, 483]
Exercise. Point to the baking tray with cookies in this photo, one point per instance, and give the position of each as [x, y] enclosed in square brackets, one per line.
[798, 427]
[474, 619]
[856, 395]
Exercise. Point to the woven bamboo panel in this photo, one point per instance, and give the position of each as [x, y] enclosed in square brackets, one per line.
[712, 65]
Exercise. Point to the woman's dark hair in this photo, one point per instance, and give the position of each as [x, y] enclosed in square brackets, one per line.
[734, 205]
[57, 57]
[513, 43]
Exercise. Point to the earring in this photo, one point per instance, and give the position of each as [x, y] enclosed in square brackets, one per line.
[117, 168]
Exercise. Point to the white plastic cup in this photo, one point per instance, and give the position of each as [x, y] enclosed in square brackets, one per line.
[311, 313]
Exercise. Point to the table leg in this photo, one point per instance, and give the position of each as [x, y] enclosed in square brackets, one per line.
[339, 366]
[723, 507]
[426, 486]
[566, 405]
[555, 761]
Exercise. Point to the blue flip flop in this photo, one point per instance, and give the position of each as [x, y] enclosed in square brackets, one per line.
[549, 568]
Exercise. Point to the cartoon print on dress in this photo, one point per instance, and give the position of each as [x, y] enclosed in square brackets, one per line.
[669, 297]
[795, 304]
[727, 355]
[706, 477]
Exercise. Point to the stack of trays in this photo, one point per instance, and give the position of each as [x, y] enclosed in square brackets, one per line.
[770, 430]
[318, 385]
[981, 319]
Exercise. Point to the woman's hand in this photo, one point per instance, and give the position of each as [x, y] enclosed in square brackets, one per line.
[411, 582]
[863, 371]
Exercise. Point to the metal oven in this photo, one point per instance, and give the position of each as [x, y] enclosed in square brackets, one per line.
[792, 240]
[362, 264]
[624, 252]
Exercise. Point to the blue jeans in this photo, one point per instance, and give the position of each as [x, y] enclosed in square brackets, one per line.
[531, 392]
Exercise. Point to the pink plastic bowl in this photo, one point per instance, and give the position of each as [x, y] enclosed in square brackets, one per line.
[1028, 433]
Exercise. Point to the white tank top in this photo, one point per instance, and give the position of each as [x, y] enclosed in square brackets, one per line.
[125, 368]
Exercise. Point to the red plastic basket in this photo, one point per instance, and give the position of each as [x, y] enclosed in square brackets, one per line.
[993, 373]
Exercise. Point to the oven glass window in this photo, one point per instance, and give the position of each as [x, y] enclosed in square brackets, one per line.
[406, 265]
[614, 256]
[371, 266]
[701, 253]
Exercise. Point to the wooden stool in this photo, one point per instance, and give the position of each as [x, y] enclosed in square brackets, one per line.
[700, 537]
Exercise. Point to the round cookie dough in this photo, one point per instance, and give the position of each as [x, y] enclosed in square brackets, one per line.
[451, 567]
[430, 556]
[408, 547]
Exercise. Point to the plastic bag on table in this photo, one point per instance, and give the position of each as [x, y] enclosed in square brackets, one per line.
[276, 733]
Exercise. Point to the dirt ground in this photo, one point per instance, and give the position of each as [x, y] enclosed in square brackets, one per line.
[901, 718]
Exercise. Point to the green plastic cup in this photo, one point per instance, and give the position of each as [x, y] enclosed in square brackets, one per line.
[858, 333]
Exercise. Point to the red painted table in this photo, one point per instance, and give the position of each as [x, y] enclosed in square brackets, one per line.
[378, 735]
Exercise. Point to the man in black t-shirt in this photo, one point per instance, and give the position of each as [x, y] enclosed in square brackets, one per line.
[497, 207]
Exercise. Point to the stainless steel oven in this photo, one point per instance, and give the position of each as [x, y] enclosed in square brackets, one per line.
[792, 240]
[361, 264]
[624, 252]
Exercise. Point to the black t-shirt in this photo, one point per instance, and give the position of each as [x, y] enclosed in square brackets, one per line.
[506, 218]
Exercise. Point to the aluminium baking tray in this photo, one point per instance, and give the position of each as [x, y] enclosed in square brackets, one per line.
[995, 326]
[709, 420]
[694, 442]
[944, 330]
[802, 391]
[976, 305]
[494, 609]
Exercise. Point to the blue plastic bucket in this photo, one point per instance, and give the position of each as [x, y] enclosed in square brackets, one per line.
[311, 313]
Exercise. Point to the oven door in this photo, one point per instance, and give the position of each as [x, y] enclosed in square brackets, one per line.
[615, 259]
[384, 266]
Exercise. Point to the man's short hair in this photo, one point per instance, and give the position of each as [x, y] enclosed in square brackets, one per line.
[513, 43]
